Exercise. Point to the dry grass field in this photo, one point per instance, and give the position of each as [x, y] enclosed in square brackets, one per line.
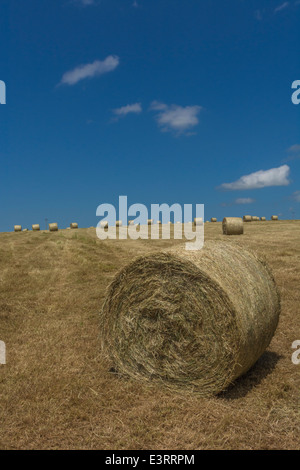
[57, 392]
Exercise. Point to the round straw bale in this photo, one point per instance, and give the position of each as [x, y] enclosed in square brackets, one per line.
[104, 224]
[159, 222]
[53, 227]
[74, 225]
[25, 230]
[150, 221]
[274, 217]
[35, 227]
[213, 219]
[247, 218]
[130, 222]
[118, 223]
[232, 226]
[194, 320]
[18, 228]
[263, 219]
[255, 218]
[198, 221]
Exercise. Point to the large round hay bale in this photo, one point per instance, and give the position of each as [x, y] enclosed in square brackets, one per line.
[18, 228]
[213, 219]
[247, 218]
[118, 223]
[35, 227]
[192, 320]
[232, 226]
[274, 217]
[74, 225]
[53, 227]
[198, 221]
[263, 219]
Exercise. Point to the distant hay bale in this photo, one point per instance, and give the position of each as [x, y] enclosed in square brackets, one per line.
[18, 228]
[53, 227]
[130, 222]
[255, 218]
[274, 217]
[190, 320]
[74, 225]
[158, 222]
[247, 218]
[150, 221]
[198, 221]
[104, 224]
[232, 226]
[25, 230]
[118, 223]
[213, 219]
[35, 227]
[263, 219]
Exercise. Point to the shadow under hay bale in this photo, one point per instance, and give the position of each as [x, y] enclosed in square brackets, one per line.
[232, 226]
[190, 320]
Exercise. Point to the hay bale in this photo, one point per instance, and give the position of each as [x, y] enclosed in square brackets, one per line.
[18, 228]
[53, 227]
[247, 218]
[263, 219]
[274, 217]
[190, 320]
[232, 226]
[150, 221]
[198, 221]
[130, 222]
[25, 230]
[159, 222]
[213, 219]
[255, 218]
[118, 223]
[74, 225]
[104, 224]
[35, 227]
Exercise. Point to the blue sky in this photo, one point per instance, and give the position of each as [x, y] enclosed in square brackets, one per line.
[161, 100]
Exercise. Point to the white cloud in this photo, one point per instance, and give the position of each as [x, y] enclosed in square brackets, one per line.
[281, 7]
[96, 68]
[296, 196]
[244, 200]
[293, 153]
[261, 179]
[130, 108]
[174, 117]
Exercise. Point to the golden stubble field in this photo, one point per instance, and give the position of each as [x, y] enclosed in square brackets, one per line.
[56, 390]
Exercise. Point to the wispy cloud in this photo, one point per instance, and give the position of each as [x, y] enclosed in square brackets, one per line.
[281, 7]
[85, 2]
[176, 118]
[135, 108]
[244, 200]
[260, 179]
[258, 15]
[296, 196]
[95, 69]
[293, 153]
